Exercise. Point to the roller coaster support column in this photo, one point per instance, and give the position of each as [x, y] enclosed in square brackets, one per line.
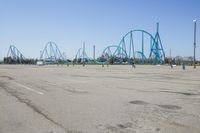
[158, 48]
[142, 47]
[157, 44]
[131, 48]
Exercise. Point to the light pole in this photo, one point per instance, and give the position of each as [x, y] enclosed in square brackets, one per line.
[83, 53]
[194, 43]
[94, 52]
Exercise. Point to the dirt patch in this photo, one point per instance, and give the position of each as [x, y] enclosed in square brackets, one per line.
[172, 107]
[138, 102]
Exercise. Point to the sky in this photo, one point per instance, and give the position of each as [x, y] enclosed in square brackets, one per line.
[31, 24]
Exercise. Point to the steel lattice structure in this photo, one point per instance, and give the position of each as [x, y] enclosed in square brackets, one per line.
[14, 54]
[51, 54]
[114, 53]
[126, 52]
[81, 56]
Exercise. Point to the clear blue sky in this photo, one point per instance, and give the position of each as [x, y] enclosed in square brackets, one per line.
[30, 24]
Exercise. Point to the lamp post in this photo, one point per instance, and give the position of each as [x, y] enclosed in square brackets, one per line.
[194, 60]
[83, 53]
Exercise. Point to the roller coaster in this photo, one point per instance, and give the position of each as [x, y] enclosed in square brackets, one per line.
[125, 51]
[14, 55]
[150, 50]
[81, 56]
[51, 54]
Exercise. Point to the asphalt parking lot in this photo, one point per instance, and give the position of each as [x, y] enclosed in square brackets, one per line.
[92, 99]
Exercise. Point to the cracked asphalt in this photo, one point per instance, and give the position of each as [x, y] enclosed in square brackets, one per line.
[92, 99]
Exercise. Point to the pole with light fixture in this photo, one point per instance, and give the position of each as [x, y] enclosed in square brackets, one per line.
[194, 60]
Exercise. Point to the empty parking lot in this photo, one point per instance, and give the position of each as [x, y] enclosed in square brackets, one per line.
[90, 99]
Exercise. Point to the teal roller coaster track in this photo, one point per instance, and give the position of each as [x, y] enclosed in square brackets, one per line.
[126, 52]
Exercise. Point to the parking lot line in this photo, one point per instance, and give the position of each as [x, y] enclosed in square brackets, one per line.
[28, 88]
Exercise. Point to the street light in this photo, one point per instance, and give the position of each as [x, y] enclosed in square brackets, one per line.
[194, 42]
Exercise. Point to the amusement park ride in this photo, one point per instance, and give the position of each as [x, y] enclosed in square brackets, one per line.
[81, 56]
[123, 53]
[51, 54]
[14, 55]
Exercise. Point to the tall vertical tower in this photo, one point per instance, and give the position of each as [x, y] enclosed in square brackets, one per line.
[94, 52]
[157, 51]
[83, 52]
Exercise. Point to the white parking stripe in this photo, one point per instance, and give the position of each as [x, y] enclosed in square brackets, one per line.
[25, 87]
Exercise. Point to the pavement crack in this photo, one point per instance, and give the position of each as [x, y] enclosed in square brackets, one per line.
[7, 77]
[29, 104]
[183, 93]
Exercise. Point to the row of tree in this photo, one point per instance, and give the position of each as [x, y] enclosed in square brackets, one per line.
[178, 60]
[9, 60]
[113, 60]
